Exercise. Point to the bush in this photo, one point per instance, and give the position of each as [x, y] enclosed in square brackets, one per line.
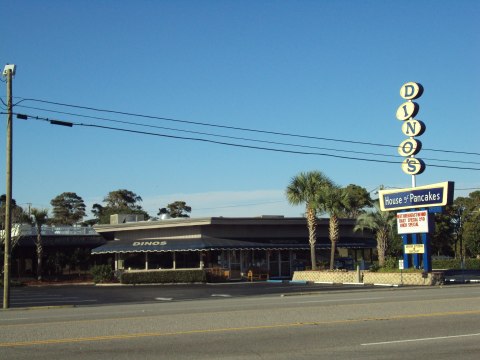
[163, 276]
[470, 264]
[391, 263]
[102, 273]
[374, 267]
[13, 283]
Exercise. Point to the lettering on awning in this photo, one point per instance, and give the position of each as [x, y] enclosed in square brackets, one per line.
[149, 243]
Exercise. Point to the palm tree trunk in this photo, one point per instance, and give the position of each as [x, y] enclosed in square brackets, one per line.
[39, 255]
[312, 235]
[333, 232]
[382, 238]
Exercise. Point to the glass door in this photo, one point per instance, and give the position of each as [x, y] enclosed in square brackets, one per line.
[235, 262]
[280, 264]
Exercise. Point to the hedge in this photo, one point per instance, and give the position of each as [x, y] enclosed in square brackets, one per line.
[102, 273]
[470, 264]
[391, 265]
[163, 276]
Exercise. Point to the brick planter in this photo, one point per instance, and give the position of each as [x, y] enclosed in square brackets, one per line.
[367, 277]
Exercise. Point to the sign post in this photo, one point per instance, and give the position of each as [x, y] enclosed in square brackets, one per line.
[400, 266]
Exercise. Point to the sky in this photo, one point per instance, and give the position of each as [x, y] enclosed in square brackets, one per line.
[220, 103]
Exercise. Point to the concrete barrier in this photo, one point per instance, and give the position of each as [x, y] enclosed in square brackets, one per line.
[368, 277]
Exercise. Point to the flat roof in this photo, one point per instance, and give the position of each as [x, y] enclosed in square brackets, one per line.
[180, 222]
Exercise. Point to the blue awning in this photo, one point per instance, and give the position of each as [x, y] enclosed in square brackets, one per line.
[208, 244]
[201, 244]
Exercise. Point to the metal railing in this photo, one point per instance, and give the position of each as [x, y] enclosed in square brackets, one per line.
[26, 230]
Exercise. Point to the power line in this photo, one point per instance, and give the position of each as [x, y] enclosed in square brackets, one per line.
[239, 138]
[229, 127]
[56, 122]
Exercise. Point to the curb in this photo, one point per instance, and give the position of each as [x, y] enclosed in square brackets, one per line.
[39, 307]
[288, 281]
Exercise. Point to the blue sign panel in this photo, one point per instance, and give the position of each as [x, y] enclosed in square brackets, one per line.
[423, 196]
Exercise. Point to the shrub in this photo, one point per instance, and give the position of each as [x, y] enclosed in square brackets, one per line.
[163, 276]
[391, 263]
[102, 273]
[470, 264]
[374, 267]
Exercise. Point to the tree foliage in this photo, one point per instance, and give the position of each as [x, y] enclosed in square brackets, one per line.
[177, 209]
[443, 239]
[466, 216]
[382, 223]
[118, 202]
[306, 188]
[356, 199]
[68, 209]
[18, 214]
[332, 200]
[39, 218]
[19, 217]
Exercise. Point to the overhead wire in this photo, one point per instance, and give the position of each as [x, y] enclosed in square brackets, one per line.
[239, 138]
[234, 144]
[229, 127]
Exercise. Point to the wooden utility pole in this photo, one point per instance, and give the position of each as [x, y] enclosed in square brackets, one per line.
[8, 205]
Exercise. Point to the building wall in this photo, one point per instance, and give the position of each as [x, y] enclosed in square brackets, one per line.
[160, 234]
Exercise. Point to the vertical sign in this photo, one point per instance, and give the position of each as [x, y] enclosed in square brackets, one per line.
[411, 128]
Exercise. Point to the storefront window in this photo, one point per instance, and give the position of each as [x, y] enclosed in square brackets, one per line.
[162, 260]
[187, 260]
[134, 261]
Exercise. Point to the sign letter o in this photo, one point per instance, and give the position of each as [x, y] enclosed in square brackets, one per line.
[409, 147]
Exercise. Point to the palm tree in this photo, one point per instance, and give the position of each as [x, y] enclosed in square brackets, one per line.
[306, 188]
[332, 201]
[39, 217]
[382, 223]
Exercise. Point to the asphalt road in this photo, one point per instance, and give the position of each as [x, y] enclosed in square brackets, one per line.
[82, 295]
[394, 323]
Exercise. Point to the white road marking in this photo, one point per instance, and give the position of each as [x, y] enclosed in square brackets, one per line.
[423, 339]
[338, 300]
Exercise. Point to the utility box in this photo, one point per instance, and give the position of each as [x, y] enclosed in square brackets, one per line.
[125, 218]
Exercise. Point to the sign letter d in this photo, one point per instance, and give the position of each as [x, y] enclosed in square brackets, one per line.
[409, 91]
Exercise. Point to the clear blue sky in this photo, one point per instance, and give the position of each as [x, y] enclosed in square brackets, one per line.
[329, 69]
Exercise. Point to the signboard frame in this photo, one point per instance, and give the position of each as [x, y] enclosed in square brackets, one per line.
[414, 248]
[413, 222]
[432, 195]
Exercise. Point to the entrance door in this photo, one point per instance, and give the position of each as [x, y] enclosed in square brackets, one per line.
[280, 264]
[235, 268]
[285, 268]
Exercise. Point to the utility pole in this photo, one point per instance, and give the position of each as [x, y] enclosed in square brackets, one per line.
[8, 72]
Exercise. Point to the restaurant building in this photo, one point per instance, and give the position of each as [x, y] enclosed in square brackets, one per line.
[274, 245]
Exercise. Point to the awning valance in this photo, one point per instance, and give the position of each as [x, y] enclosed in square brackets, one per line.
[208, 244]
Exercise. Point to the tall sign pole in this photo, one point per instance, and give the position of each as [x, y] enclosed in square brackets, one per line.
[8, 72]
[417, 225]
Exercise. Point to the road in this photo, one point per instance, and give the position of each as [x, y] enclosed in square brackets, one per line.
[81, 295]
[399, 323]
